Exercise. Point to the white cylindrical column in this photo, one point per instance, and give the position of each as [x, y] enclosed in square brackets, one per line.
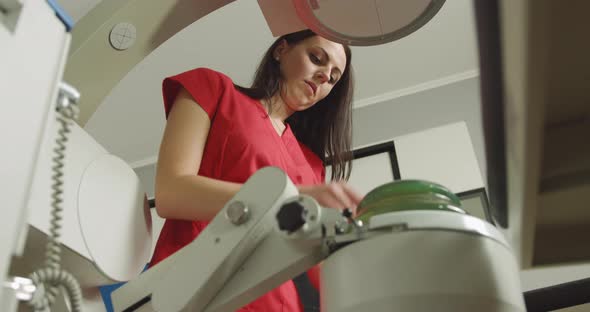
[422, 270]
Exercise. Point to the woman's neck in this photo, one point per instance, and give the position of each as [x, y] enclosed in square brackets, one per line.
[277, 109]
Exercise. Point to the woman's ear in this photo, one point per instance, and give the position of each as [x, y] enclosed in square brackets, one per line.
[280, 50]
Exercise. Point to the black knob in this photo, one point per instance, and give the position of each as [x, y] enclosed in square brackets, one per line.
[347, 213]
[291, 217]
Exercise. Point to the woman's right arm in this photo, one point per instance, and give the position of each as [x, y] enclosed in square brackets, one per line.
[180, 192]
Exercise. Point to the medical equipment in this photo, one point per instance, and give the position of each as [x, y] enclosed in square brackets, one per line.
[97, 182]
[96, 186]
[411, 260]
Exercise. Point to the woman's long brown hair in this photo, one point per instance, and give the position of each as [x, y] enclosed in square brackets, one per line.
[326, 127]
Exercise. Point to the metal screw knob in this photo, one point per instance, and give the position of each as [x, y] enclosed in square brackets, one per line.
[237, 213]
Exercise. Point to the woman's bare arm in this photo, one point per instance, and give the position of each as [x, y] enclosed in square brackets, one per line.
[180, 192]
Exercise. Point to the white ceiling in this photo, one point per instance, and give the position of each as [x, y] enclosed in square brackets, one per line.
[129, 123]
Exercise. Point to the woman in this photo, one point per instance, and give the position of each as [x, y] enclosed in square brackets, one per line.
[297, 113]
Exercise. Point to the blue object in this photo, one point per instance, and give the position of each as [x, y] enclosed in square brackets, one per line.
[61, 14]
[105, 293]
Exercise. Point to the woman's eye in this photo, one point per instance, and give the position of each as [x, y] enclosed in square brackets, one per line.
[314, 58]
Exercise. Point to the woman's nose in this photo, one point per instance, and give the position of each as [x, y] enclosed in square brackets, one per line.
[322, 76]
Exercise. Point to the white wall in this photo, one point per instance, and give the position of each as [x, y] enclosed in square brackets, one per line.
[458, 101]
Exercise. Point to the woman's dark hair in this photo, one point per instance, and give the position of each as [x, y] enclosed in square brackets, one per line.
[326, 127]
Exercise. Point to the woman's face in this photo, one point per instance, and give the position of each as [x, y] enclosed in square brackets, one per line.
[309, 69]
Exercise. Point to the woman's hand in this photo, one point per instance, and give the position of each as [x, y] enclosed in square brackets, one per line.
[338, 195]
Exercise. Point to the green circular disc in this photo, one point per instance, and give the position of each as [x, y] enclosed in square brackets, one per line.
[407, 195]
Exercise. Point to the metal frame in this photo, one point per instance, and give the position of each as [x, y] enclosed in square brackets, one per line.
[387, 147]
[483, 196]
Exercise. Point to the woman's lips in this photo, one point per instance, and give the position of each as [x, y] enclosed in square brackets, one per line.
[312, 86]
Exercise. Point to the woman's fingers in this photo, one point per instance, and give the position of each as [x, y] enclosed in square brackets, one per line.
[337, 190]
[334, 195]
[353, 195]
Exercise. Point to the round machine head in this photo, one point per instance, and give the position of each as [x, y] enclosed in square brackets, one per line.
[366, 23]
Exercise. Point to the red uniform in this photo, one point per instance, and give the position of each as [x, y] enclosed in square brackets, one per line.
[241, 140]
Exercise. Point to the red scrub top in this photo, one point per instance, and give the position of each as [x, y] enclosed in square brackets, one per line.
[241, 140]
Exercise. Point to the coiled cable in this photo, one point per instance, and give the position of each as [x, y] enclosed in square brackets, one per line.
[51, 276]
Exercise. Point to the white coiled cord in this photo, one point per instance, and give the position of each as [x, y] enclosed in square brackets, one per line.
[51, 276]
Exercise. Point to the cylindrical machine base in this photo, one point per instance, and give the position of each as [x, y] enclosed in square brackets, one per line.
[422, 270]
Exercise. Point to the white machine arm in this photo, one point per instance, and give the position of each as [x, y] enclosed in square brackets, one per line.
[239, 242]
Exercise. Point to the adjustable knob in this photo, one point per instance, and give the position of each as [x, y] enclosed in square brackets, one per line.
[291, 217]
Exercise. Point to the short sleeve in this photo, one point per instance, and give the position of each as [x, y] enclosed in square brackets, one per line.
[205, 86]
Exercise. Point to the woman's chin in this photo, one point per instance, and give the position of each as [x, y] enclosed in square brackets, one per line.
[303, 107]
